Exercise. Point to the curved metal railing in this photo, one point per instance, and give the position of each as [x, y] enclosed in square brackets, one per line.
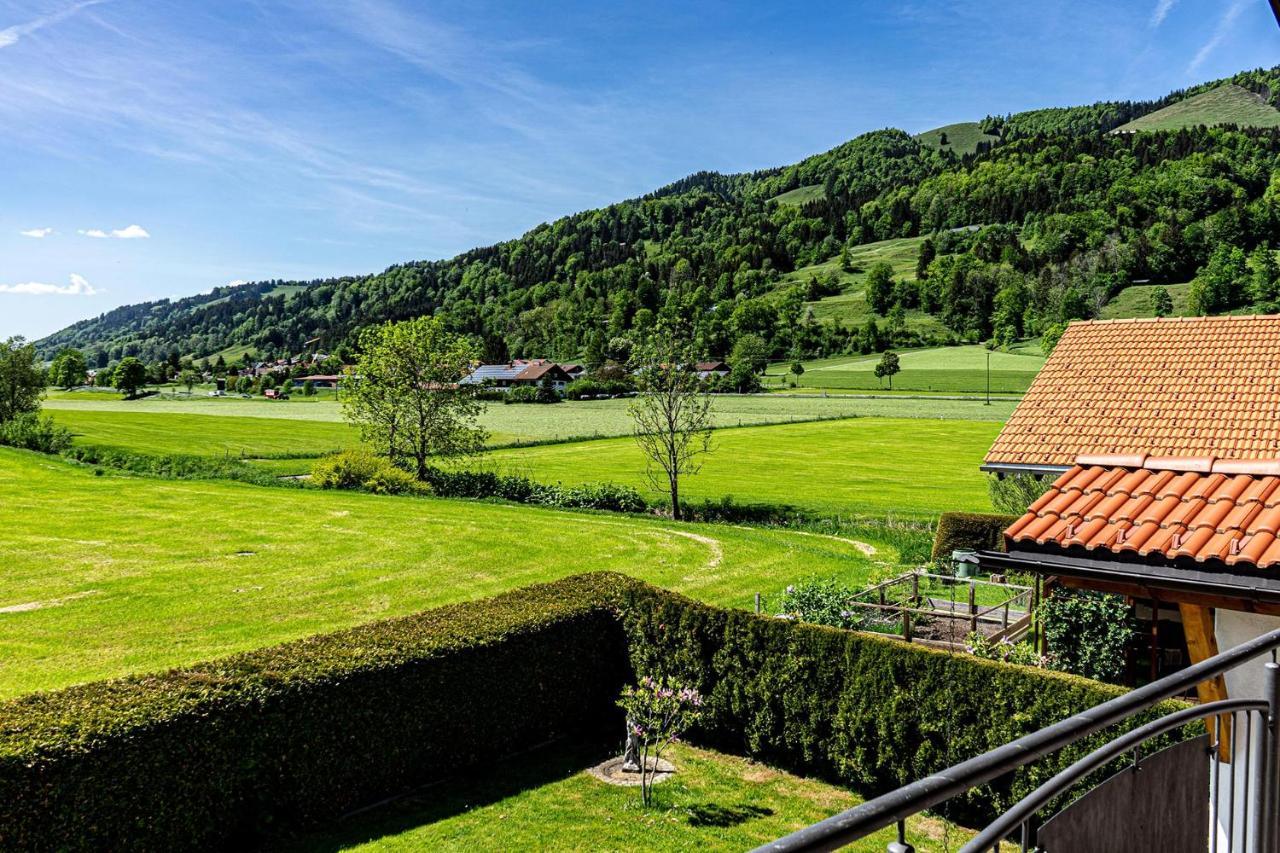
[896, 806]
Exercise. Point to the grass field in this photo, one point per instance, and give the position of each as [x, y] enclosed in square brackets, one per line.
[800, 195]
[1227, 104]
[1136, 301]
[959, 370]
[868, 466]
[109, 575]
[546, 801]
[962, 138]
[262, 428]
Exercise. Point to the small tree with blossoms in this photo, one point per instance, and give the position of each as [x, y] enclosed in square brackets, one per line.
[658, 712]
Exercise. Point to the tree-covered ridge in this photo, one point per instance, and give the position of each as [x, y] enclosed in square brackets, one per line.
[1057, 218]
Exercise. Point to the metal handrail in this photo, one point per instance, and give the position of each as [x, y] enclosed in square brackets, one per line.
[1004, 825]
[895, 806]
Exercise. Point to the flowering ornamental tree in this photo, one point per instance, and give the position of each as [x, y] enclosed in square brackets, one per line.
[658, 712]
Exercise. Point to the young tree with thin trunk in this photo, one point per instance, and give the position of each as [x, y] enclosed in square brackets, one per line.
[403, 394]
[672, 414]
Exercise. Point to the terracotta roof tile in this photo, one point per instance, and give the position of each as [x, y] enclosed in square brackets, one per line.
[1172, 387]
[1202, 515]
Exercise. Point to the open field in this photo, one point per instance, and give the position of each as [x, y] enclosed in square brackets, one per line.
[547, 801]
[962, 138]
[869, 466]
[109, 575]
[1227, 104]
[258, 427]
[957, 370]
[1136, 301]
[800, 195]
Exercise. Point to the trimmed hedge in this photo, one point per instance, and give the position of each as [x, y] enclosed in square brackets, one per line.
[250, 746]
[971, 530]
[258, 745]
[871, 712]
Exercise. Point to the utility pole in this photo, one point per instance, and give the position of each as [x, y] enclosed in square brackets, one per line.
[988, 403]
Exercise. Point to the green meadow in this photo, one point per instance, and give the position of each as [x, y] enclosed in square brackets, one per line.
[946, 370]
[108, 575]
[962, 138]
[864, 466]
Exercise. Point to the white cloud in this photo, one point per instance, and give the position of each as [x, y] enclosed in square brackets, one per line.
[36, 232]
[78, 287]
[1220, 32]
[1161, 11]
[10, 35]
[133, 232]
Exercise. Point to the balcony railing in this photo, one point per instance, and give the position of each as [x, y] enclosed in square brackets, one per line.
[1245, 736]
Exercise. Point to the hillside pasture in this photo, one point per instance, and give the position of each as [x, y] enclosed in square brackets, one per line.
[108, 575]
[800, 195]
[962, 137]
[1226, 104]
[866, 466]
[1137, 300]
[952, 370]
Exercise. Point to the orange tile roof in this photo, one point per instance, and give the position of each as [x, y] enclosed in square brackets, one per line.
[1201, 509]
[1185, 386]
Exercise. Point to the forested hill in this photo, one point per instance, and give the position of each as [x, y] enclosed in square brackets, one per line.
[1071, 211]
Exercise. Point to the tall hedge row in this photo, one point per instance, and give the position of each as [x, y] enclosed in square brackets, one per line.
[969, 530]
[258, 744]
[213, 755]
[872, 712]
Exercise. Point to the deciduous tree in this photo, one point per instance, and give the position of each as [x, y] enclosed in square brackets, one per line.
[21, 379]
[130, 376]
[403, 393]
[68, 369]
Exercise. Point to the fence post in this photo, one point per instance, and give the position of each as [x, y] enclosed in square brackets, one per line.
[973, 609]
[757, 604]
[915, 587]
[906, 624]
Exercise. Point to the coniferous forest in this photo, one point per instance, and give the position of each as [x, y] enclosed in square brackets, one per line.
[1041, 226]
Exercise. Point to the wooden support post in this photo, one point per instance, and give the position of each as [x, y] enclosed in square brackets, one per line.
[1202, 644]
[973, 609]
[915, 589]
[906, 624]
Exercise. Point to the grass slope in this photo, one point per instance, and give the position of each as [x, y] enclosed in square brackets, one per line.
[962, 138]
[1136, 301]
[1226, 104]
[800, 195]
[866, 466]
[109, 575]
[956, 370]
[545, 801]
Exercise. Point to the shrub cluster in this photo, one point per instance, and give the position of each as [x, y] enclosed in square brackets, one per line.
[177, 466]
[589, 389]
[360, 469]
[462, 483]
[969, 530]
[31, 431]
[223, 754]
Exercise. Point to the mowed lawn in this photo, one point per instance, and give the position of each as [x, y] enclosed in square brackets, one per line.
[108, 575]
[546, 801]
[864, 466]
[262, 428]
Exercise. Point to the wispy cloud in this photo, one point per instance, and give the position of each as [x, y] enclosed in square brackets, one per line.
[1219, 34]
[79, 286]
[12, 35]
[1161, 11]
[38, 233]
[130, 232]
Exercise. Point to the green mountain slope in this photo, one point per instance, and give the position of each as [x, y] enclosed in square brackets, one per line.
[962, 138]
[1048, 222]
[1228, 104]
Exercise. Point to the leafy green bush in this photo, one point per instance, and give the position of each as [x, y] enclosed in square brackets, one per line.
[463, 483]
[359, 469]
[223, 754]
[31, 431]
[521, 394]
[1087, 632]
[971, 531]
[1013, 493]
[822, 602]
[585, 389]
[1021, 653]
[177, 466]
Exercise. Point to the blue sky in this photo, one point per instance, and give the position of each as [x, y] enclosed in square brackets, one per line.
[152, 149]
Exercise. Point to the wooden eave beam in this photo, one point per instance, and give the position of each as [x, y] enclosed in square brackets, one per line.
[1202, 644]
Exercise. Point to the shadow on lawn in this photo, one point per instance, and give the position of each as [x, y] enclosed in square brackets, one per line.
[479, 787]
[711, 814]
